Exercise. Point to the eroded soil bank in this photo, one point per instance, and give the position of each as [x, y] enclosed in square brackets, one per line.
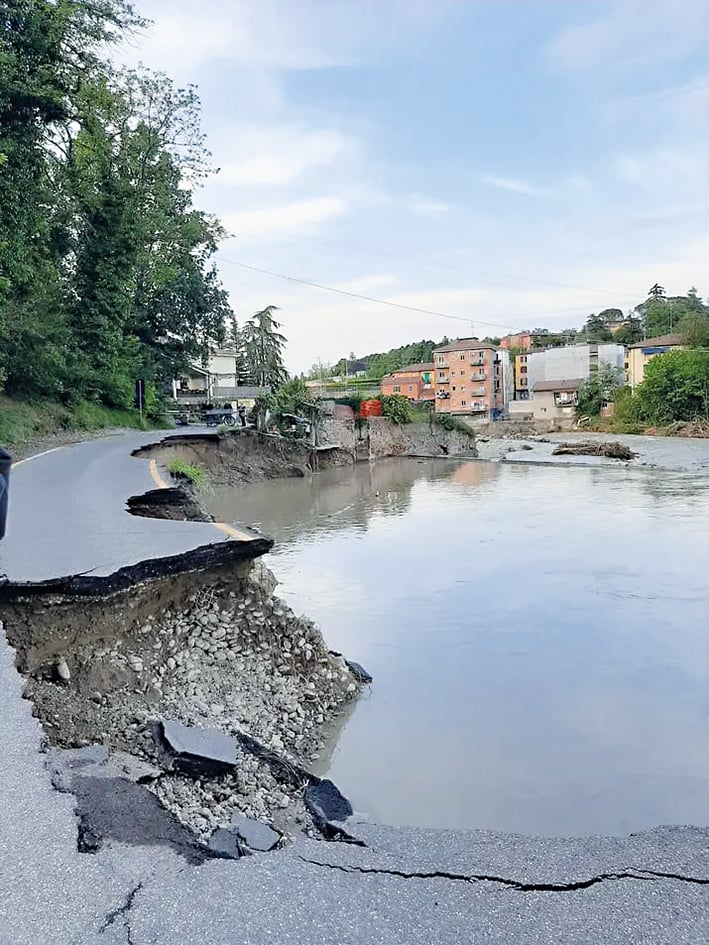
[244, 456]
[209, 648]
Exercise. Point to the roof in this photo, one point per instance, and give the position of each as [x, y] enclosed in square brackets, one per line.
[415, 368]
[661, 340]
[465, 344]
[399, 378]
[565, 384]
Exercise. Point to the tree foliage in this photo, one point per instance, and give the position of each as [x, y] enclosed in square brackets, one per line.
[600, 389]
[105, 265]
[263, 346]
[675, 387]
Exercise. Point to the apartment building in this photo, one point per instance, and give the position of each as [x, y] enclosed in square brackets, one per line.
[414, 381]
[639, 354]
[472, 378]
[556, 364]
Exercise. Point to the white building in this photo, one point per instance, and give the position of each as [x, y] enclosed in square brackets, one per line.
[572, 361]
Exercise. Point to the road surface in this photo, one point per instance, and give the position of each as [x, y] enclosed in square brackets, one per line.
[403, 887]
[68, 516]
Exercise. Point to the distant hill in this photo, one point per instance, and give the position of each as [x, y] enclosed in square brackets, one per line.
[384, 362]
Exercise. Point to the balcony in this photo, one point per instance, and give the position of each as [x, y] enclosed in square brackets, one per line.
[478, 407]
[478, 376]
[443, 380]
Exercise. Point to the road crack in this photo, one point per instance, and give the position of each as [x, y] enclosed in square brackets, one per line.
[641, 875]
[122, 912]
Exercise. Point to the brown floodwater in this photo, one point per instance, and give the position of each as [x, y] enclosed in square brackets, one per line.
[538, 637]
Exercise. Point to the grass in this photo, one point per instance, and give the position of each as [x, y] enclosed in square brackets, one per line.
[182, 470]
[21, 422]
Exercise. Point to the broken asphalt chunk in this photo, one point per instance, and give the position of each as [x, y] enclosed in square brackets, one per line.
[199, 751]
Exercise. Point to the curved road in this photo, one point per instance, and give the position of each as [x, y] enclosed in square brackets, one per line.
[68, 516]
[401, 887]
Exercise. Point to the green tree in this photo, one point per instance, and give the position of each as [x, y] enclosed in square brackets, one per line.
[693, 329]
[675, 387]
[264, 344]
[630, 332]
[595, 330]
[598, 390]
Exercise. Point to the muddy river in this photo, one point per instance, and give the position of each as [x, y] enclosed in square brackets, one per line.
[539, 636]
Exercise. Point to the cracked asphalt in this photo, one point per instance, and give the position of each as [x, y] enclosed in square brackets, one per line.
[404, 886]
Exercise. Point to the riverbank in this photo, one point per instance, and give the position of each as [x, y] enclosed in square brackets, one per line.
[139, 624]
[245, 456]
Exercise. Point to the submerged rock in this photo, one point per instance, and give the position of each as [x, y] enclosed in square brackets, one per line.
[359, 672]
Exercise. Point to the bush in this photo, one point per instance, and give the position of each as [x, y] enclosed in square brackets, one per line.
[353, 400]
[397, 408]
[452, 424]
[182, 470]
[676, 387]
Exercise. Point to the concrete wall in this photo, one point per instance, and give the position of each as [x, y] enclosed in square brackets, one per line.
[339, 431]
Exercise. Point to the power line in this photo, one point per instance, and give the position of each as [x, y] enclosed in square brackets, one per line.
[364, 298]
[469, 320]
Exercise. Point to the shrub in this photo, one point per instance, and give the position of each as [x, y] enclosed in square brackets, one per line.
[397, 408]
[182, 470]
[452, 424]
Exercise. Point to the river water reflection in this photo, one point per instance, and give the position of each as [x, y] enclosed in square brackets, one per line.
[539, 637]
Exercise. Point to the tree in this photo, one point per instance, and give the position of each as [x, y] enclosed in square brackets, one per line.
[662, 314]
[263, 344]
[675, 387]
[599, 390]
[595, 330]
[693, 329]
[630, 332]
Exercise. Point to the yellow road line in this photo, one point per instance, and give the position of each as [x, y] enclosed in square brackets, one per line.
[229, 530]
[157, 478]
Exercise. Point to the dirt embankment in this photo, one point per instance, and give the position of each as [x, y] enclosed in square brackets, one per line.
[211, 649]
[234, 459]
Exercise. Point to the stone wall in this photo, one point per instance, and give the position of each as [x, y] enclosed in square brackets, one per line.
[416, 439]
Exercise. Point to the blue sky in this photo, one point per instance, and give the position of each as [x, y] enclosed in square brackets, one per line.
[511, 162]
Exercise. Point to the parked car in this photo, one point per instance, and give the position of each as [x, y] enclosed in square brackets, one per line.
[5, 464]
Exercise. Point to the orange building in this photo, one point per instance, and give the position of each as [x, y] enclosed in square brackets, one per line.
[472, 377]
[415, 381]
[521, 340]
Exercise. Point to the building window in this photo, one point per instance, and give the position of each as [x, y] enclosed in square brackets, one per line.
[397, 390]
[523, 382]
[462, 387]
[523, 370]
[411, 387]
[523, 359]
[463, 403]
[441, 375]
[453, 388]
[462, 357]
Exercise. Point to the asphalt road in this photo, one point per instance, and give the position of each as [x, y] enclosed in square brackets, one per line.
[403, 887]
[68, 515]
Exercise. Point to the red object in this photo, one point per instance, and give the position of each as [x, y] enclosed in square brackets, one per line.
[370, 408]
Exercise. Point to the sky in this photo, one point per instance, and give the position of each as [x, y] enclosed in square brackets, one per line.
[511, 163]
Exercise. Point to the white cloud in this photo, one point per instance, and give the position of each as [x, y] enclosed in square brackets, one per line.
[265, 224]
[512, 184]
[281, 155]
[632, 32]
[426, 206]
